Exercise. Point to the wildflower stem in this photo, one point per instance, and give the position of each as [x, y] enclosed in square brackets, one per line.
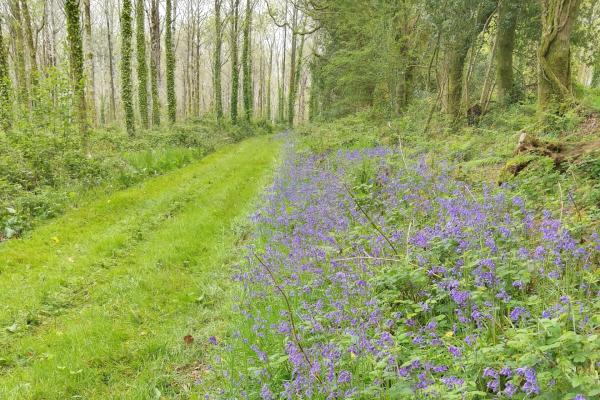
[290, 313]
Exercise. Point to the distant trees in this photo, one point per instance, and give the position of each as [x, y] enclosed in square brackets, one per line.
[282, 60]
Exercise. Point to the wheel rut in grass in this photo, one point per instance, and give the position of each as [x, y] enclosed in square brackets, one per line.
[96, 303]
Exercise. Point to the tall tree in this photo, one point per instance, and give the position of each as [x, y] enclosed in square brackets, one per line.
[218, 95]
[111, 67]
[281, 89]
[33, 66]
[5, 92]
[269, 80]
[235, 73]
[142, 68]
[75, 46]
[170, 62]
[554, 52]
[292, 89]
[126, 48]
[16, 28]
[247, 62]
[508, 11]
[91, 75]
[155, 60]
[467, 20]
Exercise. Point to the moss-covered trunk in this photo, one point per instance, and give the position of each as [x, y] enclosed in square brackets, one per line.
[554, 53]
[456, 65]
[508, 11]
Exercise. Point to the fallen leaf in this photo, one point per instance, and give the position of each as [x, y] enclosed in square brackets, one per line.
[189, 340]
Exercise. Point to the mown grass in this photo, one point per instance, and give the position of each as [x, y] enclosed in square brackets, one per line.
[96, 304]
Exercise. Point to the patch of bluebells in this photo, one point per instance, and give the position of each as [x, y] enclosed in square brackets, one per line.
[370, 277]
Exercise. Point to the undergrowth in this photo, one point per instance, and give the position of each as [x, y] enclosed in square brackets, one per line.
[43, 172]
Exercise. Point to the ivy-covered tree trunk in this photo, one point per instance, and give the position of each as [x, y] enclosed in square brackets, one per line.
[113, 97]
[126, 49]
[247, 63]
[91, 76]
[75, 46]
[235, 73]
[292, 90]
[142, 68]
[5, 87]
[508, 12]
[155, 60]
[170, 61]
[217, 63]
[554, 53]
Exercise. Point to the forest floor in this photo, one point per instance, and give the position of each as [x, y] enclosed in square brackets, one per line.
[117, 299]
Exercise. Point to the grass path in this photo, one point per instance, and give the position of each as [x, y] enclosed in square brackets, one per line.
[95, 304]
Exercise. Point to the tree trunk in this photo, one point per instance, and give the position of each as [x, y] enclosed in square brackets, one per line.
[5, 92]
[113, 100]
[294, 89]
[456, 64]
[33, 66]
[292, 94]
[217, 63]
[19, 59]
[155, 60]
[75, 46]
[554, 52]
[170, 61]
[269, 81]
[142, 68]
[247, 63]
[508, 12]
[235, 73]
[126, 49]
[457, 55]
[281, 91]
[91, 76]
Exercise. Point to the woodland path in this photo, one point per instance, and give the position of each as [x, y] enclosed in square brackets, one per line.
[96, 304]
